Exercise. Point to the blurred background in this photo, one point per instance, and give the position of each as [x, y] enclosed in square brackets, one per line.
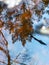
[33, 53]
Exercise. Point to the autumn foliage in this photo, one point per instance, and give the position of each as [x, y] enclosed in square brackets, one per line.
[21, 28]
[19, 23]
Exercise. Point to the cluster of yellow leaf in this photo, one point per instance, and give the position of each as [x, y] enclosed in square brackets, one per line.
[25, 29]
[22, 29]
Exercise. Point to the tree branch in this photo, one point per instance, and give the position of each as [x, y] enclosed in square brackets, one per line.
[40, 41]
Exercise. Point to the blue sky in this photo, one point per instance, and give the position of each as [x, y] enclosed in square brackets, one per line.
[38, 53]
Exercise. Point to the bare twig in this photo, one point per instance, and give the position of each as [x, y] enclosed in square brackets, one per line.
[2, 49]
[41, 42]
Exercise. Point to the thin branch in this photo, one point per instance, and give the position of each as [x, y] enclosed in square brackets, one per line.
[18, 55]
[18, 62]
[6, 43]
[3, 38]
[40, 41]
[3, 50]
[9, 60]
